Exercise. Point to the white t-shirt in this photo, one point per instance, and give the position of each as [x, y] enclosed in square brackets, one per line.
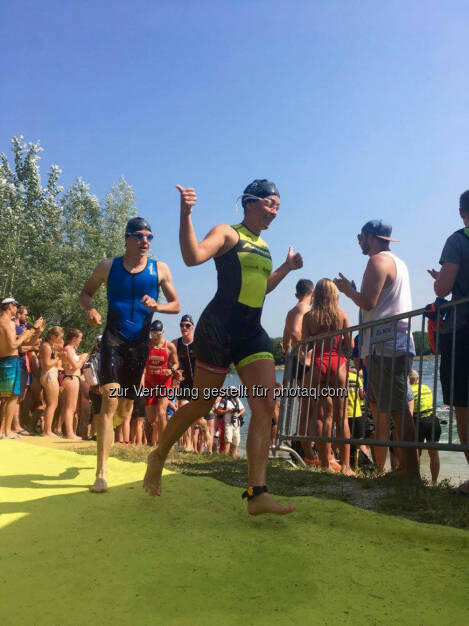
[230, 403]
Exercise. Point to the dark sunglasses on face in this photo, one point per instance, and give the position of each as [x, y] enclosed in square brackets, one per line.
[140, 236]
[185, 325]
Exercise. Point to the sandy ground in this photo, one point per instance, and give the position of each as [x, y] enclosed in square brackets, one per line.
[194, 557]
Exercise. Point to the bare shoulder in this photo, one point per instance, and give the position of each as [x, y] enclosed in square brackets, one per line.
[103, 268]
[307, 319]
[344, 318]
[163, 269]
[226, 234]
[380, 261]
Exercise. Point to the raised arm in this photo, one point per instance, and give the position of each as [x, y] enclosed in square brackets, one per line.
[85, 299]
[71, 354]
[292, 262]
[15, 341]
[45, 356]
[217, 241]
[444, 279]
[372, 284]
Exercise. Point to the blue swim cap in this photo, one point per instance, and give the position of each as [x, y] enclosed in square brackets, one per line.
[261, 188]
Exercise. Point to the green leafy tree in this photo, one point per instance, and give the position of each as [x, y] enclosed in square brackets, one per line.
[422, 345]
[279, 356]
[52, 240]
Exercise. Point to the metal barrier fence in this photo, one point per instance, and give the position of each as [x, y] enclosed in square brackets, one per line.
[320, 368]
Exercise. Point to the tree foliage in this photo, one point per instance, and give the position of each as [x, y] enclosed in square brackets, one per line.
[278, 354]
[51, 239]
[422, 345]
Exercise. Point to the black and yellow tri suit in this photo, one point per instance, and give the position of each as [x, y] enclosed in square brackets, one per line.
[229, 330]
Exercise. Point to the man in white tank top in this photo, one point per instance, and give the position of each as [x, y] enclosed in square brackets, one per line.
[385, 292]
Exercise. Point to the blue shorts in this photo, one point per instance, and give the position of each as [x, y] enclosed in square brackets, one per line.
[10, 376]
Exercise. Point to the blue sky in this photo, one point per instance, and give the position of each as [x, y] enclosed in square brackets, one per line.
[356, 109]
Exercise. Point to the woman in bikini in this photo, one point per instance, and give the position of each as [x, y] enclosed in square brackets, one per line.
[328, 361]
[50, 354]
[72, 363]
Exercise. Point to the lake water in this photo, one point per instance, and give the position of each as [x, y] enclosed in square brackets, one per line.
[453, 464]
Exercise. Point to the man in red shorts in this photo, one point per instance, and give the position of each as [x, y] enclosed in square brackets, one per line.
[158, 378]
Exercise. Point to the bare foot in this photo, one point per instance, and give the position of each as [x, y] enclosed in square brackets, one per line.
[51, 434]
[73, 438]
[100, 486]
[347, 471]
[264, 503]
[152, 480]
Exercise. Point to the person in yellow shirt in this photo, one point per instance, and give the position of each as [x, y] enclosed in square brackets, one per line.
[427, 425]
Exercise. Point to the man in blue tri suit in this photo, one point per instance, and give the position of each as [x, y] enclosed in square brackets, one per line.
[133, 283]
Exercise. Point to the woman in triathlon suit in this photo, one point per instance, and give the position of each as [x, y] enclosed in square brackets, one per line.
[230, 331]
[72, 364]
[158, 377]
[328, 360]
[50, 354]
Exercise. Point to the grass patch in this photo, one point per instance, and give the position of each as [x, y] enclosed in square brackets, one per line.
[390, 494]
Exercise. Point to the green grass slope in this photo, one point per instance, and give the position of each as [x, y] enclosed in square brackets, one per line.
[194, 557]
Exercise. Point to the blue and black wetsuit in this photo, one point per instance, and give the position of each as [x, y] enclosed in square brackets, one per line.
[126, 340]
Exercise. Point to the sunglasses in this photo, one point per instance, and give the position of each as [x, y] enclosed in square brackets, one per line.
[267, 201]
[140, 236]
[185, 325]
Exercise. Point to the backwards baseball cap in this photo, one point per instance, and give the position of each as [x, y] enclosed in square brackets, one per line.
[135, 224]
[187, 318]
[261, 188]
[9, 301]
[157, 326]
[379, 229]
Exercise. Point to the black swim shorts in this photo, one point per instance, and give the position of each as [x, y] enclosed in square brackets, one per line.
[123, 361]
[217, 344]
[425, 426]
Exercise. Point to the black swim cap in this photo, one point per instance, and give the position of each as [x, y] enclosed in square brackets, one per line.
[261, 188]
[157, 325]
[135, 224]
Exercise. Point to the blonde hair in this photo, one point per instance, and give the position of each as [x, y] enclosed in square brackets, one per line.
[325, 312]
[54, 331]
[413, 377]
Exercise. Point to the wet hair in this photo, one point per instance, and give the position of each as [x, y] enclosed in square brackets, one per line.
[21, 308]
[72, 334]
[54, 331]
[304, 286]
[464, 202]
[413, 377]
[325, 312]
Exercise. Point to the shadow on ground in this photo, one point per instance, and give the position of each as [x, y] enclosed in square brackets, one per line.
[195, 557]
